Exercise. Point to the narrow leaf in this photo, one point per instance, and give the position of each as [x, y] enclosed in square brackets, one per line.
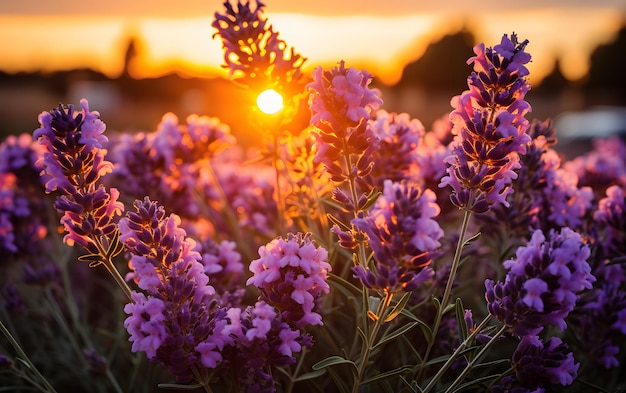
[175, 386]
[396, 333]
[311, 375]
[397, 309]
[460, 319]
[338, 222]
[387, 374]
[468, 241]
[90, 258]
[428, 333]
[332, 361]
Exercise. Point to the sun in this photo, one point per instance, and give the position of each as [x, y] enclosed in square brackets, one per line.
[270, 101]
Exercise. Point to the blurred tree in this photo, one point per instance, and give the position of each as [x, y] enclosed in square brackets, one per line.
[606, 80]
[443, 66]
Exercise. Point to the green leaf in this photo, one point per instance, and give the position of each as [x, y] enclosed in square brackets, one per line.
[371, 198]
[436, 302]
[476, 381]
[311, 375]
[470, 240]
[347, 288]
[332, 361]
[414, 386]
[428, 333]
[460, 319]
[386, 375]
[338, 222]
[363, 336]
[397, 309]
[175, 386]
[396, 333]
[90, 258]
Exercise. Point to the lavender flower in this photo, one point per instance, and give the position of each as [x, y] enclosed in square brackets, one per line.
[399, 136]
[341, 104]
[538, 366]
[171, 163]
[403, 236]
[543, 282]
[222, 262]
[176, 323]
[254, 54]
[490, 127]
[74, 162]
[291, 274]
[262, 340]
[600, 320]
[546, 195]
[23, 218]
[603, 166]
[610, 218]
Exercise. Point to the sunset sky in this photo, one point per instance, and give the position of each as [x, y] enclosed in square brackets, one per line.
[381, 36]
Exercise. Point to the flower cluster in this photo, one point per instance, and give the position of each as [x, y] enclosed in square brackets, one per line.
[611, 219]
[262, 339]
[403, 236]
[538, 365]
[490, 127]
[341, 103]
[601, 319]
[399, 137]
[543, 282]
[291, 274]
[253, 52]
[176, 323]
[546, 195]
[73, 164]
[172, 162]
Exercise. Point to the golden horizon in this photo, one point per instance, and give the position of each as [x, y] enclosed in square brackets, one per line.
[382, 45]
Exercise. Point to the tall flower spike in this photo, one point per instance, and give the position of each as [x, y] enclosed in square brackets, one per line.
[543, 283]
[403, 236]
[253, 53]
[341, 103]
[73, 164]
[489, 124]
[177, 322]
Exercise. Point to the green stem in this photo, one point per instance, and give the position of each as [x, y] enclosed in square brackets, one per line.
[456, 353]
[448, 290]
[381, 313]
[478, 357]
[292, 378]
[48, 387]
[108, 264]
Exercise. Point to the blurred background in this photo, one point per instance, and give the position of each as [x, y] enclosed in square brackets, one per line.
[135, 61]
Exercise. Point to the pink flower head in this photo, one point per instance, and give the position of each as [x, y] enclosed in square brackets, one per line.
[291, 274]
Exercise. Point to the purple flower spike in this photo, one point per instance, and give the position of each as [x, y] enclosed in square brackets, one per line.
[341, 103]
[403, 236]
[489, 124]
[543, 283]
[291, 274]
[73, 163]
[262, 339]
[539, 365]
[253, 51]
[177, 323]
[611, 217]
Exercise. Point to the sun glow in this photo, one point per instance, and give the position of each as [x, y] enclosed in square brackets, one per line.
[270, 101]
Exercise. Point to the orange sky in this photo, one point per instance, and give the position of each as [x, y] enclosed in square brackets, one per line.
[383, 40]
